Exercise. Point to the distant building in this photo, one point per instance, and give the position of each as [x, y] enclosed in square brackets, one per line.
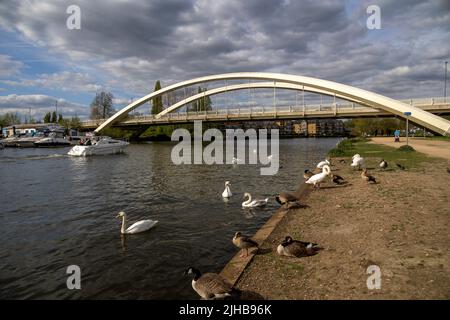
[29, 128]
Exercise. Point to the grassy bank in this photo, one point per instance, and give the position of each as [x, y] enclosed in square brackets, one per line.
[399, 224]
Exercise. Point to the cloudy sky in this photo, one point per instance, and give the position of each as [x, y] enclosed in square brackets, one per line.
[124, 46]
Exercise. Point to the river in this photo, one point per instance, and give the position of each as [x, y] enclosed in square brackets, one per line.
[57, 211]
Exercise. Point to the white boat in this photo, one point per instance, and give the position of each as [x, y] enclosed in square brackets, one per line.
[105, 145]
[54, 139]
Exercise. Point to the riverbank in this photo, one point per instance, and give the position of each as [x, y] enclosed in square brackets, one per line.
[431, 147]
[399, 224]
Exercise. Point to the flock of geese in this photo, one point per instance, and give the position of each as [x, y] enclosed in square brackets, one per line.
[214, 286]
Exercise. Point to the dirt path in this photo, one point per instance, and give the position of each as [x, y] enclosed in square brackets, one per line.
[434, 148]
[401, 224]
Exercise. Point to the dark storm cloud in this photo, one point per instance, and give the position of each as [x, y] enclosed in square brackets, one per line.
[134, 43]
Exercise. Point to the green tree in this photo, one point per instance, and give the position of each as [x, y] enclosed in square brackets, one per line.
[47, 117]
[9, 118]
[102, 105]
[54, 119]
[60, 118]
[157, 103]
[75, 123]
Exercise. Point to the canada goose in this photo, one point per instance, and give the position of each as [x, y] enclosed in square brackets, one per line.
[227, 192]
[285, 198]
[136, 227]
[244, 243]
[367, 177]
[400, 166]
[337, 179]
[323, 163]
[357, 161]
[307, 174]
[383, 164]
[318, 178]
[249, 203]
[295, 248]
[210, 285]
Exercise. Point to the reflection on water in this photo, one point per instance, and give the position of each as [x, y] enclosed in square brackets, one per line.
[56, 211]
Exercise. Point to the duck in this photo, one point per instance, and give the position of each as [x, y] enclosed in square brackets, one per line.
[318, 178]
[227, 192]
[294, 248]
[383, 164]
[136, 227]
[249, 203]
[323, 163]
[357, 161]
[210, 286]
[244, 242]
[307, 174]
[367, 177]
[400, 166]
[285, 198]
[337, 179]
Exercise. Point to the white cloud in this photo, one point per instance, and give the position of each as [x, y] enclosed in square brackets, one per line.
[9, 67]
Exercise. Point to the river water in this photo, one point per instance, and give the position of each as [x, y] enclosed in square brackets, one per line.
[57, 211]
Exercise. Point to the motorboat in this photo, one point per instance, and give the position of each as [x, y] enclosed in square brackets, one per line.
[28, 141]
[102, 146]
[54, 139]
[10, 141]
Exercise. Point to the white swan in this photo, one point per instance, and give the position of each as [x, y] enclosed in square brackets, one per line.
[227, 192]
[322, 163]
[137, 227]
[235, 160]
[357, 161]
[318, 178]
[249, 203]
[270, 157]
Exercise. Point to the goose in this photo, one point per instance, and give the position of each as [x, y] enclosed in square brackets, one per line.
[383, 164]
[210, 285]
[337, 179]
[357, 161]
[244, 243]
[341, 161]
[227, 192]
[285, 198]
[136, 227]
[400, 166]
[249, 203]
[307, 174]
[294, 248]
[323, 163]
[367, 177]
[318, 178]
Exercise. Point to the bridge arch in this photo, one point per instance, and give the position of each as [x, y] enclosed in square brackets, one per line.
[421, 117]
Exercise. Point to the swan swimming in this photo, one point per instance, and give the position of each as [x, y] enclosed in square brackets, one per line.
[227, 192]
[249, 203]
[136, 227]
[318, 178]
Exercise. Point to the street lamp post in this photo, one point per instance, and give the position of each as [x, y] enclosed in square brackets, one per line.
[407, 114]
[445, 81]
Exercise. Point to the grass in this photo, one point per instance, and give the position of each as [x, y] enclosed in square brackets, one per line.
[373, 153]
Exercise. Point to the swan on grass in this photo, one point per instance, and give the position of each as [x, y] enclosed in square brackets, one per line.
[318, 178]
[357, 161]
[323, 163]
[249, 203]
[136, 227]
[227, 192]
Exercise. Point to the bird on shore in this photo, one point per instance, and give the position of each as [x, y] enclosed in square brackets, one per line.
[244, 242]
[367, 177]
[307, 174]
[249, 203]
[316, 179]
[136, 227]
[210, 285]
[326, 162]
[235, 160]
[341, 161]
[294, 248]
[286, 199]
[383, 164]
[401, 167]
[357, 161]
[337, 179]
[227, 192]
